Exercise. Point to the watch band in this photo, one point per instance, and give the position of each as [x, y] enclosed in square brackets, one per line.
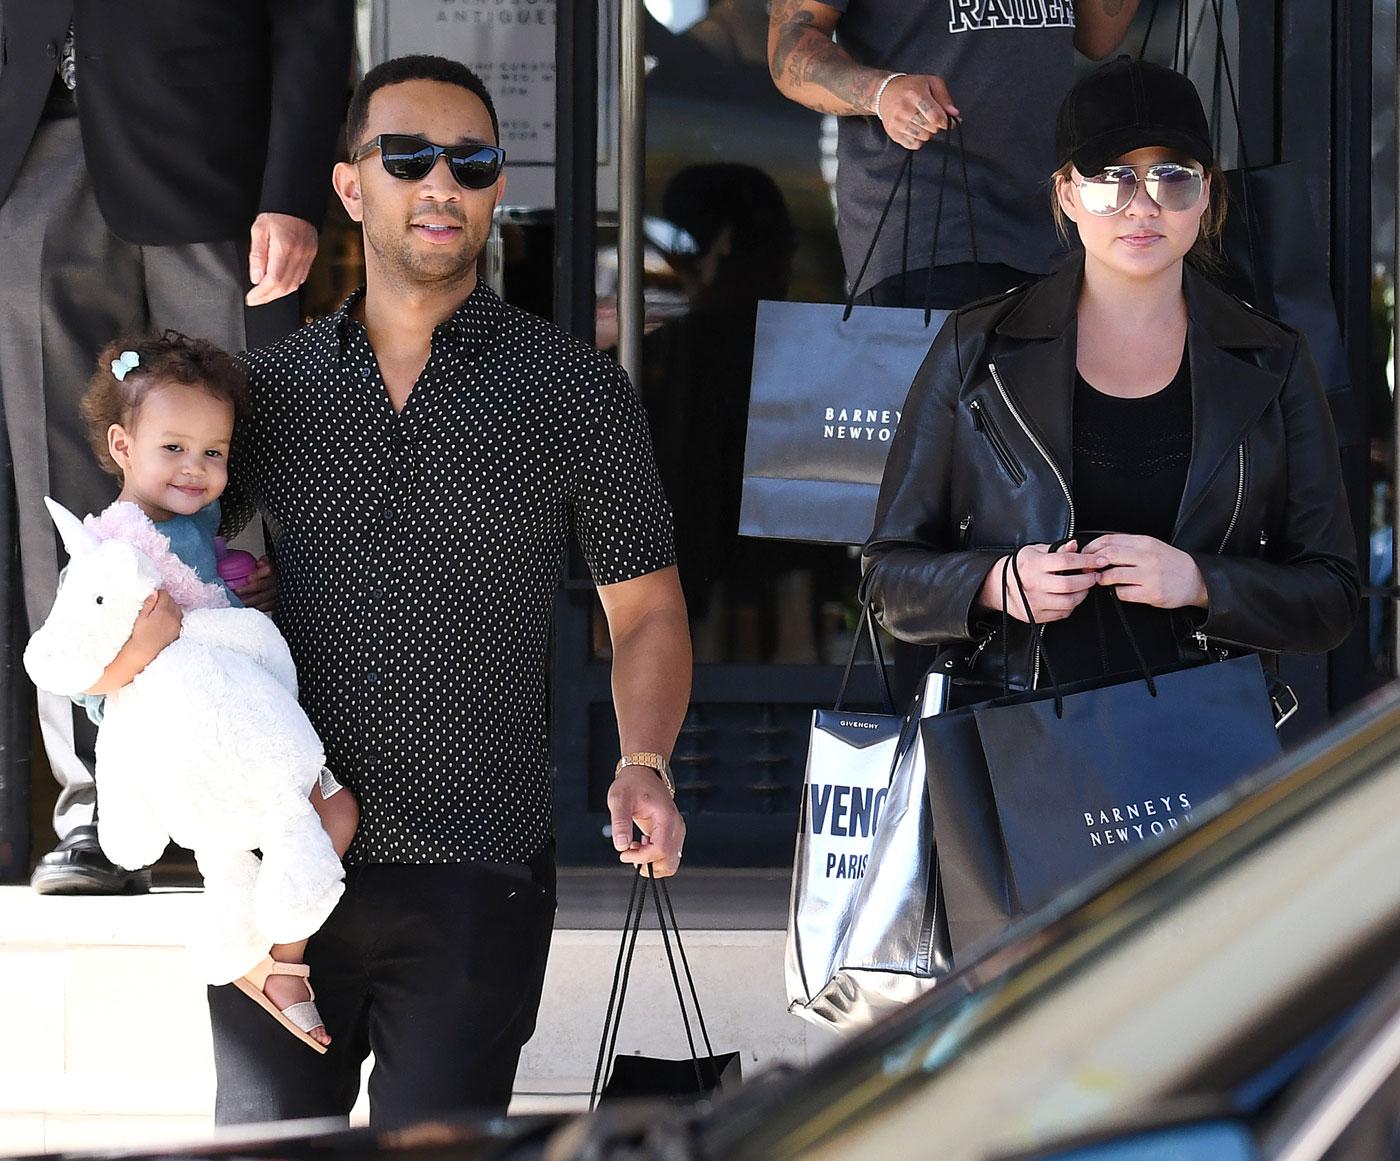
[655, 762]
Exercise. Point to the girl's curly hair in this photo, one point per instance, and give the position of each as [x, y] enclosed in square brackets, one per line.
[163, 359]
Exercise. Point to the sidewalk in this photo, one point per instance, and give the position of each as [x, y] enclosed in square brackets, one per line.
[104, 1036]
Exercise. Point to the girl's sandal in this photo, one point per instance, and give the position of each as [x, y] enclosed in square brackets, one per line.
[298, 1019]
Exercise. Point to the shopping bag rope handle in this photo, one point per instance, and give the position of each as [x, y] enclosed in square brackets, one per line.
[1181, 62]
[905, 176]
[1038, 633]
[622, 971]
[867, 623]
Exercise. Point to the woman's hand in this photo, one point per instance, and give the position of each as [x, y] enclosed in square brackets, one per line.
[1056, 582]
[1145, 571]
[259, 591]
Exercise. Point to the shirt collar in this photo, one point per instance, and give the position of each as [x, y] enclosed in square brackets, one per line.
[471, 327]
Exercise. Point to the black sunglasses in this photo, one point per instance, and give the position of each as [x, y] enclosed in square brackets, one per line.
[411, 158]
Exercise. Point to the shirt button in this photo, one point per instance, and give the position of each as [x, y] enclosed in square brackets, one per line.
[366, 373]
[372, 677]
[52, 50]
[388, 515]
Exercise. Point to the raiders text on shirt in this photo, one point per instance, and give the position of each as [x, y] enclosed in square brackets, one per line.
[979, 15]
[418, 554]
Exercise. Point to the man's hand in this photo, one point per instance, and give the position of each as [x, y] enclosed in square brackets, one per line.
[638, 796]
[259, 591]
[914, 108]
[280, 257]
[651, 688]
[157, 625]
[1145, 571]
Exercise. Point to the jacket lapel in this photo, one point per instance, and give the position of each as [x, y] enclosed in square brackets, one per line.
[1229, 391]
[1039, 373]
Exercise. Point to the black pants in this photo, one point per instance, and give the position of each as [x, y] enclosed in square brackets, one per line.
[953, 286]
[436, 969]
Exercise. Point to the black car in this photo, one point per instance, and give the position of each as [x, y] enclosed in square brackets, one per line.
[1233, 994]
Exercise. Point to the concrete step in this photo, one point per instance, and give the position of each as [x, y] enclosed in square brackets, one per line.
[104, 1034]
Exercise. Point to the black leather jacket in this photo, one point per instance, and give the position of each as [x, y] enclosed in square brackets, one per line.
[981, 464]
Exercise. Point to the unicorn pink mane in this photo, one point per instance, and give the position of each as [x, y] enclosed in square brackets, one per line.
[125, 521]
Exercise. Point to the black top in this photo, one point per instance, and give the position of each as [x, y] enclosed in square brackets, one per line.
[418, 554]
[1130, 462]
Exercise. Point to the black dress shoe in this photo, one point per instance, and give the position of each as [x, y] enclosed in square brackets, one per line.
[77, 866]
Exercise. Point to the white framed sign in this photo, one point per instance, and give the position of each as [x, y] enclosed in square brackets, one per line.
[510, 45]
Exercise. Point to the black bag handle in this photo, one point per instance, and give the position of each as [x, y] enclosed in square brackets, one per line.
[622, 971]
[1014, 567]
[906, 177]
[867, 622]
[1181, 60]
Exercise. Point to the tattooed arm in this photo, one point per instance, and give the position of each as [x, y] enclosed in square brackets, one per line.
[811, 69]
[1100, 25]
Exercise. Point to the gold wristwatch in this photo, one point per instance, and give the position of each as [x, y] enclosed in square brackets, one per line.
[655, 762]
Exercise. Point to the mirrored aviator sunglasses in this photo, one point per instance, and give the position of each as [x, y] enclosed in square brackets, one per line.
[410, 158]
[1171, 186]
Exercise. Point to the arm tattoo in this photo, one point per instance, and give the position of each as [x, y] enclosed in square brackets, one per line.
[792, 32]
[806, 56]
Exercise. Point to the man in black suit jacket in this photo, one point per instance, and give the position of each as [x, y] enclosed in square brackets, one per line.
[162, 164]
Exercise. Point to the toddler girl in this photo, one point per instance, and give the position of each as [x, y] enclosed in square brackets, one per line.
[160, 415]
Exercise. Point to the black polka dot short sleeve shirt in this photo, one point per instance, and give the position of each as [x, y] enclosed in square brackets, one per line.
[418, 554]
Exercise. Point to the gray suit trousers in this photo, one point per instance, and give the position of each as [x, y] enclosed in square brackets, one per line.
[68, 286]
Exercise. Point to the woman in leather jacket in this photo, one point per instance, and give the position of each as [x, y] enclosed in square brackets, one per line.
[1126, 428]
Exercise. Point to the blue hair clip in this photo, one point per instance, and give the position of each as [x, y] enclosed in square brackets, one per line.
[126, 362]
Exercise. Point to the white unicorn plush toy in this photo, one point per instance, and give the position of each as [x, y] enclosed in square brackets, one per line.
[207, 745]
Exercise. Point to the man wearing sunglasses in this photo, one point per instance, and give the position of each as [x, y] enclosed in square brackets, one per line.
[424, 452]
[161, 165]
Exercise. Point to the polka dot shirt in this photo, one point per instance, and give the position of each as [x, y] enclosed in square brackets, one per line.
[418, 554]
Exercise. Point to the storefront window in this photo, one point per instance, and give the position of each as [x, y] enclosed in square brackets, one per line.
[739, 209]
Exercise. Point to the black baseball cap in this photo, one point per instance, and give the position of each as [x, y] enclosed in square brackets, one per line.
[1131, 104]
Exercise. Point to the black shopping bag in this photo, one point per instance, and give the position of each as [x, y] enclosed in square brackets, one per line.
[1276, 257]
[826, 397]
[1118, 765]
[1027, 803]
[1274, 245]
[1034, 792]
[640, 1076]
[828, 389]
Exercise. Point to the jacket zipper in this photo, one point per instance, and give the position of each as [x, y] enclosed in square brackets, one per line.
[1059, 475]
[984, 423]
[1201, 639]
[1239, 502]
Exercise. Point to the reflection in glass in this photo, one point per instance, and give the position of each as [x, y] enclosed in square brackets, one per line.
[739, 211]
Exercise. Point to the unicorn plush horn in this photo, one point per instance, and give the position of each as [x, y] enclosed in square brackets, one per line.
[76, 539]
[103, 589]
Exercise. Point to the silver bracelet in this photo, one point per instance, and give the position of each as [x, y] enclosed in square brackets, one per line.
[885, 84]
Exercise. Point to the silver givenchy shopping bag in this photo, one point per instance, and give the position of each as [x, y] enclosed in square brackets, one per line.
[896, 943]
[847, 783]
[864, 930]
